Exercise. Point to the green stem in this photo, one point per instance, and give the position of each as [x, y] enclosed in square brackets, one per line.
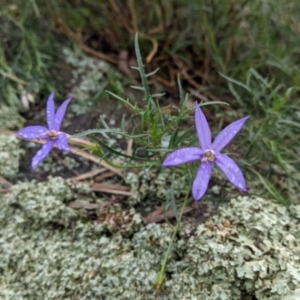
[161, 275]
[150, 102]
[120, 166]
[96, 149]
[13, 77]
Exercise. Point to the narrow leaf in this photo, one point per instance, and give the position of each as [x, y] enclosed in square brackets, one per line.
[140, 88]
[151, 73]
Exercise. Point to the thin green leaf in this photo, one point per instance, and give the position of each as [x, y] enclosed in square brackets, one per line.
[239, 83]
[151, 73]
[140, 88]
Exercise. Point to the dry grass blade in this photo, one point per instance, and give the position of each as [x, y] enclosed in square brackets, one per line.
[104, 176]
[99, 186]
[98, 54]
[129, 147]
[160, 215]
[3, 182]
[88, 175]
[115, 189]
[96, 160]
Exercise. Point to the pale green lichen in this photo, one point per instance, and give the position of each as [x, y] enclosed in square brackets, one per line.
[10, 118]
[47, 254]
[248, 249]
[154, 182]
[41, 203]
[88, 79]
[10, 153]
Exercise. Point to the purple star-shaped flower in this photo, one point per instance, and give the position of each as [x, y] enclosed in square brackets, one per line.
[51, 134]
[209, 154]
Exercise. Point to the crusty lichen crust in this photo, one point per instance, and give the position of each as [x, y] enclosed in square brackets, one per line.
[10, 153]
[48, 251]
[250, 248]
[10, 118]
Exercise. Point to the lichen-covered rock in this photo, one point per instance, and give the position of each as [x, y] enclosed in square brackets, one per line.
[10, 118]
[250, 248]
[10, 153]
[88, 79]
[42, 260]
[154, 182]
[39, 204]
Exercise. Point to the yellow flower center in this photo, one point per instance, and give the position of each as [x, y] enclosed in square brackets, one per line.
[52, 134]
[208, 156]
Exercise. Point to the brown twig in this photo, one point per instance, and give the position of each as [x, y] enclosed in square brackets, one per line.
[160, 215]
[97, 53]
[129, 147]
[100, 186]
[115, 189]
[64, 29]
[3, 182]
[104, 176]
[88, 174]
[96, 160]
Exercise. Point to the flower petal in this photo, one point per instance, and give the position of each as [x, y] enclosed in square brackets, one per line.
[203, 131]
[42, 153]
[182, 156]
[201, 180]
[227, 134]
[62, 142]
[231, 171]
[50, 112]
[32, 132]
[60, 114]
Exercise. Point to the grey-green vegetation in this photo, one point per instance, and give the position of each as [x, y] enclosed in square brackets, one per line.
[10, 118]
[49, 251]
[10, 153]
[89, 77]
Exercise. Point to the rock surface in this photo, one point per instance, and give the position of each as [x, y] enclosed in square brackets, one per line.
[249, 249]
